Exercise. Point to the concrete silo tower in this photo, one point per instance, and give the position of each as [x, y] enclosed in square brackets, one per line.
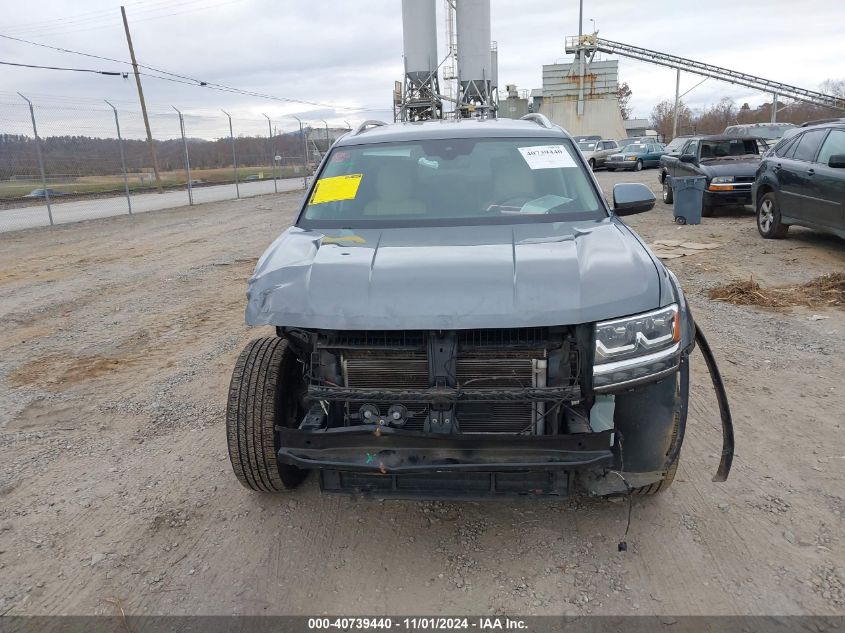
[420, 99]
[476, 72]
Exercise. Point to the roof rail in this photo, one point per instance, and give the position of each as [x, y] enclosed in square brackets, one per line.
[367, 125]
[539, 119]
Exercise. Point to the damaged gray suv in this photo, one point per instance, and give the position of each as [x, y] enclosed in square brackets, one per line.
[459, 314]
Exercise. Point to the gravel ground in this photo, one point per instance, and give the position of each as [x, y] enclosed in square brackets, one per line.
[118, 339]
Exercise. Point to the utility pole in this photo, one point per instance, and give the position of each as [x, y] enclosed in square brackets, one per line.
[141, 97]
[579, 108]
[677, 103]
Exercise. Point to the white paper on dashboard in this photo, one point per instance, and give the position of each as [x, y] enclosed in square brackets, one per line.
[547, 156]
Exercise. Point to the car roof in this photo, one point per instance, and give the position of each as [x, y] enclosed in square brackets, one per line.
[781, 123]
[725, 137]
[839, 124]
[451, 128]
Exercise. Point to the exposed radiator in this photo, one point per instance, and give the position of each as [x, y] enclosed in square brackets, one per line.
[479, 368]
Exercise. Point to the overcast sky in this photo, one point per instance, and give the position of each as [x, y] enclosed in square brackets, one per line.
[349, 52]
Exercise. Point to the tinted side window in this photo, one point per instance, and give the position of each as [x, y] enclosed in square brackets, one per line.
[808, 145]
[834, 144]
[785, 149]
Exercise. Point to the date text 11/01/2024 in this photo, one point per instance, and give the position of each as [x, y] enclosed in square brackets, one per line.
[417, 624]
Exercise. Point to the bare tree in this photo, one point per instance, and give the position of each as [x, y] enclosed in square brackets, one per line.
[835, 87]
[623, 95]
[662, 117]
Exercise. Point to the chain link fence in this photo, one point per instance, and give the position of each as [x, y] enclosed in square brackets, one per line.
[63, 161]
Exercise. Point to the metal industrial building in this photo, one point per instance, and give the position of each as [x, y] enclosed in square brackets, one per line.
[599, 112]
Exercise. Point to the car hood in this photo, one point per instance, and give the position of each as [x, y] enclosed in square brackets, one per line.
[453, 277]
[743, 166]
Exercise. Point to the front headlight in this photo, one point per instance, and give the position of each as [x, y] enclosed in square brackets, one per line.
[721, 179]
[637, 348]
[630, 158]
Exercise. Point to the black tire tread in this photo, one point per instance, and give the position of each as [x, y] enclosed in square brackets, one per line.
[255, 394]
[669, 477]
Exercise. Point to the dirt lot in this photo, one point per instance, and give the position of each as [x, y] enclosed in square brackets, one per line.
[117, 343]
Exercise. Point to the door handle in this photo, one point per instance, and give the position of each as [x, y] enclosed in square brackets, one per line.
[777, 166]
[811, 172]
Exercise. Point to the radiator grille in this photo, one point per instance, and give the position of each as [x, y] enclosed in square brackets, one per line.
[388, 369]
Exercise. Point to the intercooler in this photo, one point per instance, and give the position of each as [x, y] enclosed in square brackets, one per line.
[478, 368]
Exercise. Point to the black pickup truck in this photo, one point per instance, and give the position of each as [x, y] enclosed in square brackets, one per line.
[728, 162]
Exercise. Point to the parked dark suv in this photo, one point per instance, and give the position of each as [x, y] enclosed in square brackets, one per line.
[802, 181]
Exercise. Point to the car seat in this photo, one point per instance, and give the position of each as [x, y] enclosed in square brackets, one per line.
[395, 190]
[512, 178]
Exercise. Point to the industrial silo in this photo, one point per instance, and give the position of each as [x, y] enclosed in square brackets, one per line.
[474, 58]
[420, 98]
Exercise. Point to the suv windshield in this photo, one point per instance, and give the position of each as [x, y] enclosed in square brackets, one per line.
[441, 182]
[676, 143]
[732, 147]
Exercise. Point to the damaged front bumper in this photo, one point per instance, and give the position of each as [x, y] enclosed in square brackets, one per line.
[392, 463]
[391, 451]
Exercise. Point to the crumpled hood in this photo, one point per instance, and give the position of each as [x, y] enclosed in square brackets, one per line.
[462, 277]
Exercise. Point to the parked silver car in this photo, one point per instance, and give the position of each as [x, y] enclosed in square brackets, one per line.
[596, 152]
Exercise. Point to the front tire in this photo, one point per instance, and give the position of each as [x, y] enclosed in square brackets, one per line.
[707, 210]
[592, 164]
[263, 394]
[668, 195]
[769, 222]
[638, 166]
[660, 486]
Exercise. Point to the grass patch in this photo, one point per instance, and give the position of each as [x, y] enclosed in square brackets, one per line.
[10, 190]
[825, 291]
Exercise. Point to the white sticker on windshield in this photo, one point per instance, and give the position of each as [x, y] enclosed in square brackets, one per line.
[547, 156]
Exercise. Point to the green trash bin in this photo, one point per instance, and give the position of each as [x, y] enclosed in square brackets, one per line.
[688, 194]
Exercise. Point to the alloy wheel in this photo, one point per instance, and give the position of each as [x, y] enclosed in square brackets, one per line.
[766, 216]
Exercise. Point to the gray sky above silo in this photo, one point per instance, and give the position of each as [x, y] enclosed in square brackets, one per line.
[349, 53]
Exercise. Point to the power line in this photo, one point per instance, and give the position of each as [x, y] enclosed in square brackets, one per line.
[63, 50]
[77, 17]
[76, 70]
[193, 81]
[97, 21]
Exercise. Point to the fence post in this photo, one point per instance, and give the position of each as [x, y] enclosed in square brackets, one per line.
[304, 152]
[187, 160]
[122, 157]
[40, 159]
[234, 155]
[272, 153]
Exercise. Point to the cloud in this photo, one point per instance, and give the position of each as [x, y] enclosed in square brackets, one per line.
[349, 53]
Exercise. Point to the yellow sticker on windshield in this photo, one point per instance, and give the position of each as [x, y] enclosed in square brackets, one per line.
[336, 188]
